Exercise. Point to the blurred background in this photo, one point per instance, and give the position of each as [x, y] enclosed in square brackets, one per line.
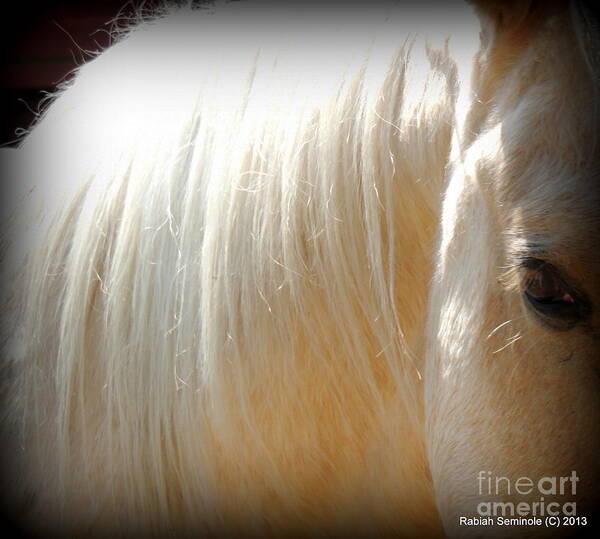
[40, 44]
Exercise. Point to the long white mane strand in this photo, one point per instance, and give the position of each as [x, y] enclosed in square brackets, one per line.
[223, 294]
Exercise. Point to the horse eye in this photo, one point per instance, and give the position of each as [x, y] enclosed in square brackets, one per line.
[550, 297]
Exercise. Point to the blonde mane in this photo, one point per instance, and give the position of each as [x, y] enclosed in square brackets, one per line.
[229, 228]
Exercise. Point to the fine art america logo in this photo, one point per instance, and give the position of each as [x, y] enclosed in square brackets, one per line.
[545, 501]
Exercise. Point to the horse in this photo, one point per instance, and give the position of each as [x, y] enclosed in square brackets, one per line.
[275, 269]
